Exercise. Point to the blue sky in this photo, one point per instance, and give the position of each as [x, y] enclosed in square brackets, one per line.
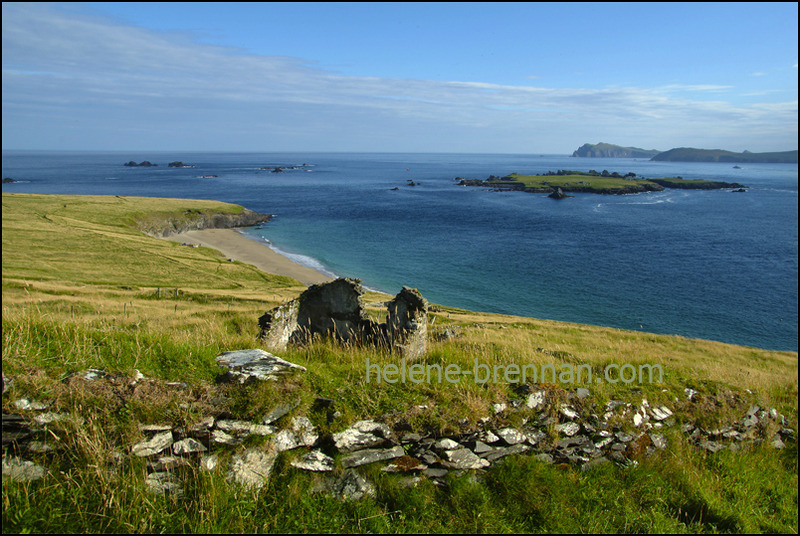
[416, 77]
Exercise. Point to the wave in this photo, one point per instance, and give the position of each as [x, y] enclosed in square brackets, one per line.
[303, 260]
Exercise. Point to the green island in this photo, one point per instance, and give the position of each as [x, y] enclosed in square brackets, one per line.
[110, 339]
[593, 182]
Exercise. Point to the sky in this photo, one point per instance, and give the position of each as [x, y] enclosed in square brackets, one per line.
[448, 77]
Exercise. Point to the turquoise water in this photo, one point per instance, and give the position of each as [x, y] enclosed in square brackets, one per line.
[706, 264]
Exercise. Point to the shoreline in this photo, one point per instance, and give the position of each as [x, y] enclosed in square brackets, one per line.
[235, 245]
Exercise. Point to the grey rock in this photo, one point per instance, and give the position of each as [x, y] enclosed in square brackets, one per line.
[582, 393]
[252, 468]
[351, 486]
[22, 470]
[464, 458]
[596, 462]
[255, 364]
[351, 439]
[153, 446]
[432, 472]
[187, 446]
[568, 429]
[167, 463]
[544, 457]
[502, 452]
[164, 483]
[536, 400]
[218, 436]
[29, 405]
[777, 443]
[446, 444]
[660, 413]
[568, 412]
[510, 436]
[363, 457]
[480, 447]
[659, 441]
[210, 462]
[623, 437]
[712, 446]
[750, 420]
[410, 438]
[280, 411]
[315, 460]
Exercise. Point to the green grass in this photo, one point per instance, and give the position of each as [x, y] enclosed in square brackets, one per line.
[575, 181]
[80, 290]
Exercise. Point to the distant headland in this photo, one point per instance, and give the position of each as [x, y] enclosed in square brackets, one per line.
[684, 154]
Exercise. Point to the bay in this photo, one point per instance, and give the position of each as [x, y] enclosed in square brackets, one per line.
[704, 264]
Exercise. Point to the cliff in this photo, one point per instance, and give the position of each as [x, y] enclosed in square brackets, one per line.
[688, 154]
[168, 224]
[608, 150]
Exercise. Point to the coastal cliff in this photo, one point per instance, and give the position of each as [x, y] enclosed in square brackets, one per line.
[688, 154]
[608, 150]
[168, 224]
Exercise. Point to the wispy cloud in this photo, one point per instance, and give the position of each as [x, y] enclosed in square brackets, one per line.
[61, 70]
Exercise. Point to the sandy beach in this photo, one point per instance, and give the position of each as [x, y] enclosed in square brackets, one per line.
[234, 245]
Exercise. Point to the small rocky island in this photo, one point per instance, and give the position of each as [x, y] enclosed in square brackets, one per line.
[558, 182]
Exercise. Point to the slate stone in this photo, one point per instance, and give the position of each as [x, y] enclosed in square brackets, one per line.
[568, 429]
[432, 472]
[480, 447]
[255, 364]
[315, 460]
[464, 458]
[252, 468]
[595, 462]
[22, 470]
[164, 483]
[502, 452]
[536, 400]
[280, 411]
[187, 446]
[446, 444]
[153, 446]
[363, 457]
[510, 436]
[351, 486]
[568, 412]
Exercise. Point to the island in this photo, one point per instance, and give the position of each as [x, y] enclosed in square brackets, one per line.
[683, 154]
[146, 163]
[593, 182]
[608, 150]
[688, 154]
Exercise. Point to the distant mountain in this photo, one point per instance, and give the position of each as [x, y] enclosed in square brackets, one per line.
[608, 150]
[688, 154]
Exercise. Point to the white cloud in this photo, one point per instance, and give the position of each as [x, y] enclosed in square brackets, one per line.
[61, 70]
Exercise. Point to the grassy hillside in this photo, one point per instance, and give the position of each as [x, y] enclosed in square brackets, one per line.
[84, 288]
[688, 154]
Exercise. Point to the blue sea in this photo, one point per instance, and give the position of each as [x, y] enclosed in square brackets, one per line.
[703, 264]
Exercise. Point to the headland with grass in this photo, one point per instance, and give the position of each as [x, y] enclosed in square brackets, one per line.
[85, 288]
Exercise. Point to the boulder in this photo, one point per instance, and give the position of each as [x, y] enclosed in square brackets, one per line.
[256, 364]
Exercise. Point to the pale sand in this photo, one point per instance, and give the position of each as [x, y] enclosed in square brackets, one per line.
[234, 245]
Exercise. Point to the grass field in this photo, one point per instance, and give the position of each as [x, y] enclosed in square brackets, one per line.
[83, 287]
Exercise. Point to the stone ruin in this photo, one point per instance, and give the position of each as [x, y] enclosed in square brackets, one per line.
[336, 310]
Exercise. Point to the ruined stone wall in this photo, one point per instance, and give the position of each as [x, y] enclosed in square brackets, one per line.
[336, 310]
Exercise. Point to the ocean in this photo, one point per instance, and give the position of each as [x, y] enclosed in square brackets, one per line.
[710, 264]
